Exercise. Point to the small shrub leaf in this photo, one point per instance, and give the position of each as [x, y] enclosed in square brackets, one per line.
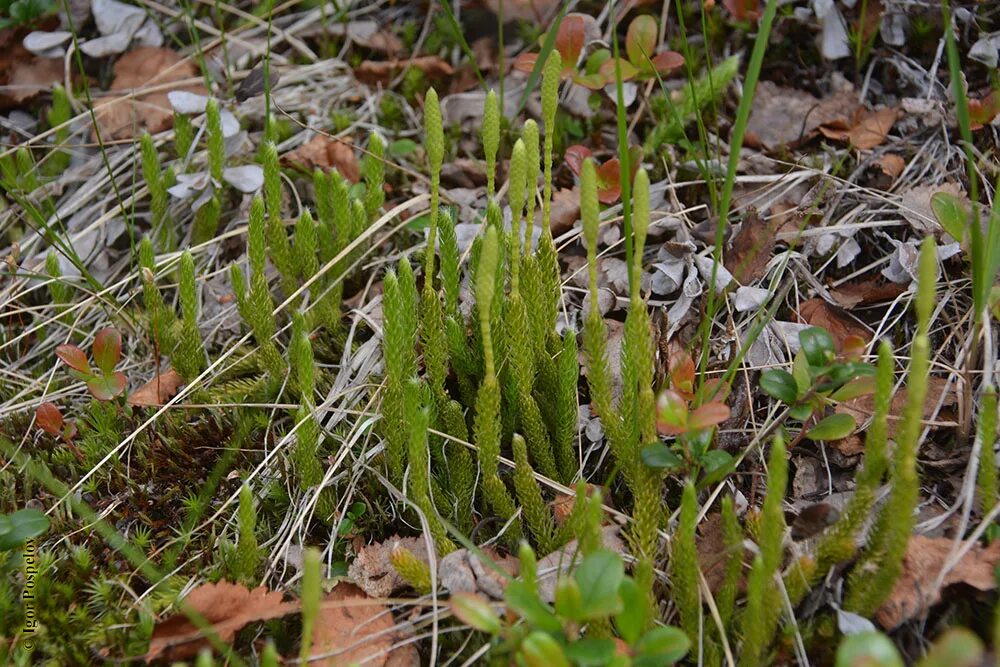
[779, 384]
[833, 427]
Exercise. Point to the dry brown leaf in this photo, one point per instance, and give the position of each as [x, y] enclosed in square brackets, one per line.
[712, 556]
[787, 117]
[925, 556]
[915, 205]
[326, 153]
[157, 391]
[819, 313]
[373, 71]
[27, 78]
[124, 117]
[358, 629]
[892, 165]
[866, 129]
[227, 607]
[751, 248]
[565, 210]
[373, 571]
[536, 11]
[866, 291]
[463, 571]
[862, 407]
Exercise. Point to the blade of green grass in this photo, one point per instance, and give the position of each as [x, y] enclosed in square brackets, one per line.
[457, 27]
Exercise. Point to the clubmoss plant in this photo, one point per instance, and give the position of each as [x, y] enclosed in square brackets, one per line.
[279, 247]
[684, 565]
[183, 135]
[189, 351]
[491, 140]
[59, 116]
[986, 483]
[399, 350]
[206, 219]
[760, 617]
[373, 173]
[247, 558]
[312, 590]
[158, 198]
[882, 562]
[537, 515]
[59, 291]
[414, 571]
[418, 483]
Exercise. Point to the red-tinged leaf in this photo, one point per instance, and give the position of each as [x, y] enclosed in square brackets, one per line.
[69, 431]
[743, 10]
[569, 40]
[525, 62]
[628, 70]
[574, 156]
[682, 374]
[106, 387]
[73, 357]
[640, 42]
[982, 112]
[707, 415]
[853, 347]
[107, 349]
[49, 419]
[157, 391]
[671, 413]
[609, 187]
[667, 62]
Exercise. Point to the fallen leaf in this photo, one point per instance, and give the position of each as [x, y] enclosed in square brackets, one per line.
[565, 210]
[372, 570]
[841, 326]
[562, 560]
[751, 248]
[374, 71]
[28, 78]
[710, 543]
[925, 556]
[787, 117]
[463, 571]
[982, 112]
[537, 11]
[865, 291]
[915, 205]
[124, 117]
[157, 391]
[863, 407]
[892, 165]
[325, 153]
[358, 629]
[865, 130]
[226, 606]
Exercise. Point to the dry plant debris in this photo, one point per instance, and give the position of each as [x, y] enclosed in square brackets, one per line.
[353, 628]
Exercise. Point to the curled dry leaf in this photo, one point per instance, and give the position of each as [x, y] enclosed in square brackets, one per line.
[914, 593]
[125, 116]
[463, 571]
[841, 326]
[380, 71]
[227, 607]
[325, 153]
[787, 117]
[352, 628]
[892, 165]
[157, 391]
[27, 78]
[712, 555]
[866, 291]
[865, 130]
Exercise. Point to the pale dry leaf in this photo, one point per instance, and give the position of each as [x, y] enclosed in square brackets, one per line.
[925, 556]
[353, 628]
[226, 606]
[145, 67]
[915, 205]
[463, 571]
[536, 11]
[40, 42]
[247, 178]
[787, 117]
[157, 391]
[862, 407]
[565, 210]
[818, 313]
[564, 559]
[372, 570]
[326, 153]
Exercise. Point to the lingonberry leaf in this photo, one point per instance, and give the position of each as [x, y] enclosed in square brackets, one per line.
[779, 384]
[73, 357]
[671, 413]
[49, 418]
[833, 427]
[640, 42]
[107, 349]
[708, 415]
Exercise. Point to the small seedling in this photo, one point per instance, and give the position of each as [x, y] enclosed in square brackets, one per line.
[104, 382]
[598, 592]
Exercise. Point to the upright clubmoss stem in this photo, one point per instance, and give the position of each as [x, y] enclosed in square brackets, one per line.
[434, 143]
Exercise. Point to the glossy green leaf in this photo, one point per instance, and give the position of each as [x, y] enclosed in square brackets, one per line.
[21, 525]
[867, 649]
[667, 644]
[590, 652]
[569, 599]
[671, 413]
[818, 346]
[779, 384]
[802, 373]
[640, 42]
[522, 600]
[74, 357]
[952, 213]
[801, 412]
[833, 427]
[541, 650]
[599, 576]
[631, 620]
[658, 455]
[857, 387]
[716, 464]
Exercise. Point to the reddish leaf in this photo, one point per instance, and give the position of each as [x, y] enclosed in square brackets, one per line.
[982, 112]
[525, 62]
[569, 40]
[107, 349]
[671, 413]
[574, 156]
[667, 61]
[73, 357]
[681, 370]
[49, 419]
[707, 415]
[743, 10]
[609, 187]
[106, 387]
[157, 391]
[640, 42]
